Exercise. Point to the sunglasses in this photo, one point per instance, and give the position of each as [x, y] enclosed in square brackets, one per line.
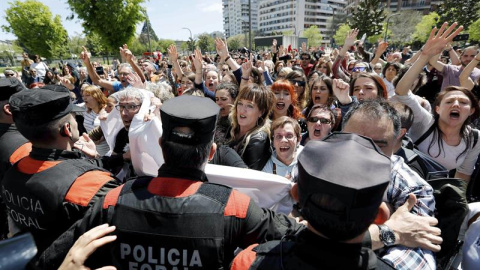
[359, 69]
[299, 83]
[9, 75]
[316, 119]
[303, 58]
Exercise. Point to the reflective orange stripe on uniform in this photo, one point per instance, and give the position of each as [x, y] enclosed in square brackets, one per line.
[29, 165]
[112, 197]
[244, 259]
[173, 187]
[86, 186]
[21, 152]
[237, 205]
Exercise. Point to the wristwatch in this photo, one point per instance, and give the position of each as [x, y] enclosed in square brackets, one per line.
[387, 236]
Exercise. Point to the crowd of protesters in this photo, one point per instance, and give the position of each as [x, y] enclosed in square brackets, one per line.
[273, 105]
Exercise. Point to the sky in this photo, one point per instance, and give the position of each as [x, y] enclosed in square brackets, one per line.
[167, 17]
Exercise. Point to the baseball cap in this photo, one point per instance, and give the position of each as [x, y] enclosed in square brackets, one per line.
[199, 114]
[347, 167]
[41, 106]
[10, 86]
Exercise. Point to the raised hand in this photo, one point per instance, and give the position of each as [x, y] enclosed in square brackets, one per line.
[85, 55]
[126, 53]
[439, 39]
[197, 60]
[86, 145]
[281, 51]
[172, 53]
[382, 46]
[222, 48]
[247, 67]
[304, 47]
[274, 46]
[341, 90]
[351, 38]
[134, 80]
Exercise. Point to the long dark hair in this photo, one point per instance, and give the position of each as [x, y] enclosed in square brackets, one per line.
[464, 130]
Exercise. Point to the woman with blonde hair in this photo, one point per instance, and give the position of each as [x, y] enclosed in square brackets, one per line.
[250, 133]
[95, 103]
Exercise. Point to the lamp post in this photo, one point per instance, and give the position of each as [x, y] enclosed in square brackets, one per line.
[388, 21]
[191, 37]
[250, 24]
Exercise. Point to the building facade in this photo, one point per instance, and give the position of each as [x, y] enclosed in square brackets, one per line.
[276, 16]
[236, 16]
[424, 6]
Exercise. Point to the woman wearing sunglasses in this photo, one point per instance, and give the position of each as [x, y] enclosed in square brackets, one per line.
[320, 121]
[299, 81]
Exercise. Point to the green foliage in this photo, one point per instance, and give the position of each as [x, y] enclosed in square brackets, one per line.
[341, 34]
[287, 33]
[464, 12]
[313, 35]
[8, 52]
[236, 42]
[163, 44]
[147, 31]
[474, 30]
[403, 26]
[368, 18]
[137, 47]
[32, 23]
[113, 21]
[425, 26]
[95, 45]
[205, 42]
[76, 42]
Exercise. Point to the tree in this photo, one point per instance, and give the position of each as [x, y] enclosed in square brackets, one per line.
[403, 26]
[8, 52]
[313, 35]
[147, 30]
[287, 33]
[463, 12]
[76, 42]
[341, 34]
[32, 23]
[94, 44]
[368, 18]
[474, 30]
[424, 27]
[163, 44]
[113, 21]
[236, 42]
[205, 42]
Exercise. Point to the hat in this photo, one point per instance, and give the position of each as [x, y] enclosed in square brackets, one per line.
[197, 113]
[10, 86]
[41, 106]
[345, 166]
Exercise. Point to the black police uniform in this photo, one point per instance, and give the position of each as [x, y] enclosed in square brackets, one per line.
[13, 145]
[307, 250]
[47, 191]
[178, 220]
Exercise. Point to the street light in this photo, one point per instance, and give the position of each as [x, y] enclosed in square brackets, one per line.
[388, 21]
[191, 38]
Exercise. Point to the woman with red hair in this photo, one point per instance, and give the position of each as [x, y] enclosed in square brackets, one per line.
[286, 102]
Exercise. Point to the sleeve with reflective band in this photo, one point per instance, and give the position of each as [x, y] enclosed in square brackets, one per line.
[237, 205]
[21, 152]
[112, 197]
[244, 259]
[86, 186]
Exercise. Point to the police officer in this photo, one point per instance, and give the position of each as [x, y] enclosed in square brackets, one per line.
[13, 145]
[178, 220]
[51, 188]
[339, 202]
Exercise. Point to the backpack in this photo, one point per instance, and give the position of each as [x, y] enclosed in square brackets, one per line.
[430, 169]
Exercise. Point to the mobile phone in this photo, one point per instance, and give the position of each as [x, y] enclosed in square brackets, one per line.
[100, 70]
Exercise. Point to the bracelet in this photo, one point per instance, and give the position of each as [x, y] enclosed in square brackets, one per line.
[226, 58]
[246, 79]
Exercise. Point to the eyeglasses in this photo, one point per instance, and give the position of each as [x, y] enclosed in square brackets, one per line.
[316, 119]
[124, 74]
[299, 83]
[9, 75]
[280, 137]
[130, 108]
[359, 69]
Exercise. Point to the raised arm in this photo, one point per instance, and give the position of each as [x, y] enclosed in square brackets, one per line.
[85, 56]
[465, 80]
[222, 50]
[124, 51]
[435, 45]
[173, 57]
[246, 71]
[453, 55]
[382, 46]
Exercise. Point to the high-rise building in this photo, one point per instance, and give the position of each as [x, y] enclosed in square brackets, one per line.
[236, 16]
[298, 15]
[424, 6]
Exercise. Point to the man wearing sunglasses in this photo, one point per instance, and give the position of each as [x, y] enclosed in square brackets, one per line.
[305, 63]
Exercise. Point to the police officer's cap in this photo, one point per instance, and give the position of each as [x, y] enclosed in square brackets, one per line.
[10, 86]
[199, 114]
[41, 106]
[348, 167]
